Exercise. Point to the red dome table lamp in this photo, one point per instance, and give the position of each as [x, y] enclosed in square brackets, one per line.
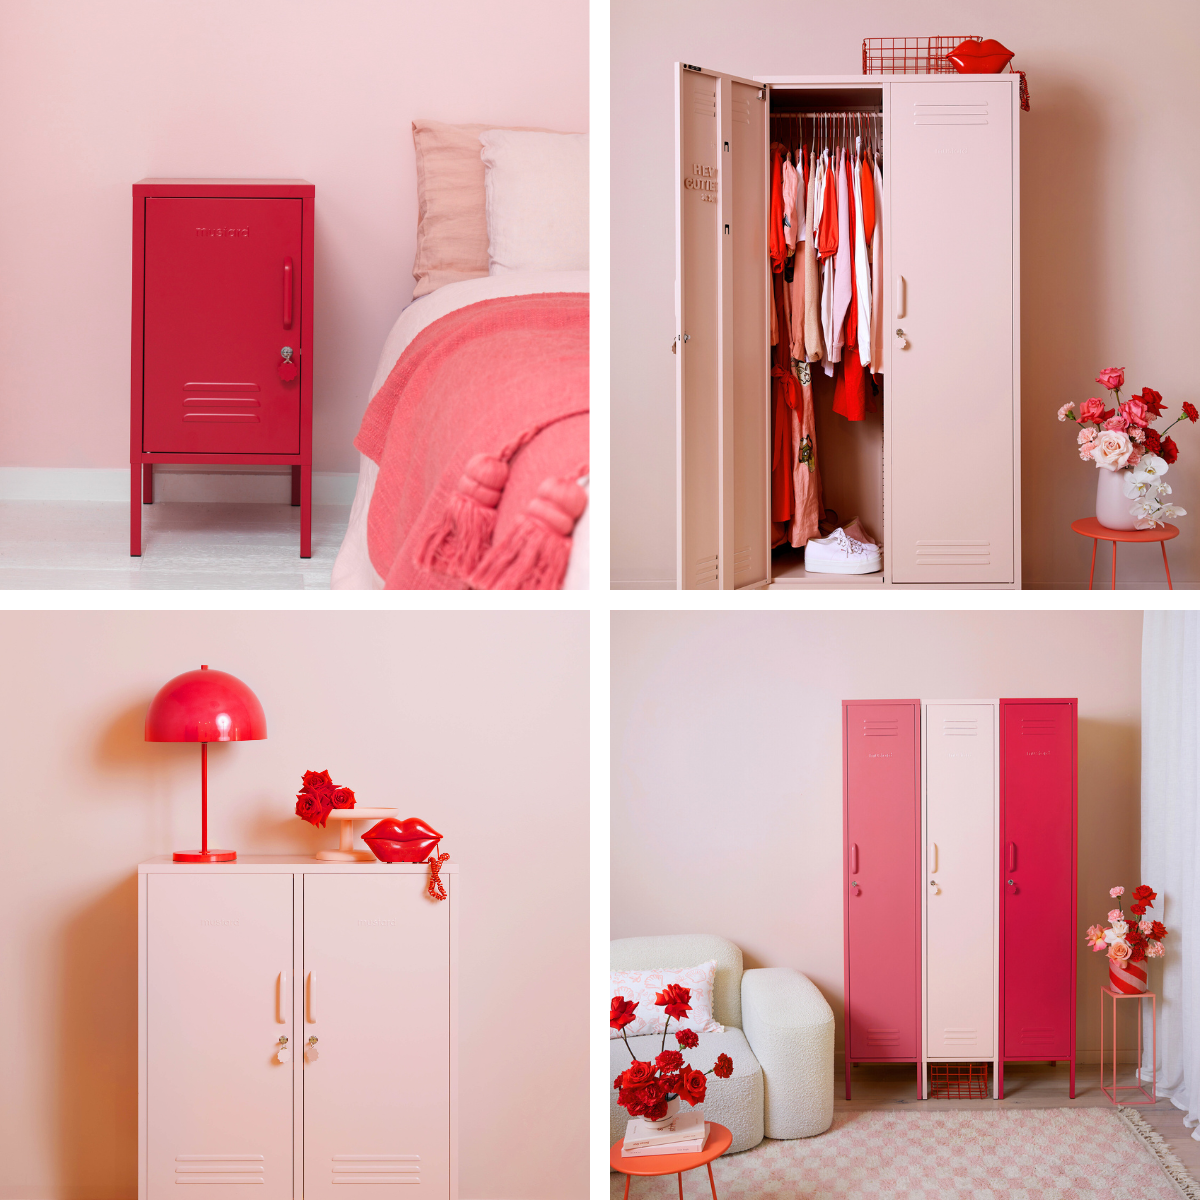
[205, 706]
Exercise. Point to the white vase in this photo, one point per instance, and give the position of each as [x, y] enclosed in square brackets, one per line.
[1112, 505]
[672, 1113]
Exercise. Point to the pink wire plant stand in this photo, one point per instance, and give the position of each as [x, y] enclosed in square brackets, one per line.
[1114, 1093]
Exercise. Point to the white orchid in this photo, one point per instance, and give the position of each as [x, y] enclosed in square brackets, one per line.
[1147, 474]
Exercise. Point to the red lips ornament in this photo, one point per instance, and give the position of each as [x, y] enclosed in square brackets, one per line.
[980, 58]
[410, 841]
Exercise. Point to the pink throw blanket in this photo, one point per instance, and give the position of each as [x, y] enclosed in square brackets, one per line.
[479, 432]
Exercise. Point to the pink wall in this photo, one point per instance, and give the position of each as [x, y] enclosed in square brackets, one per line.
[727, 774]
[477, 722]
[96, 96]
[1109, 252]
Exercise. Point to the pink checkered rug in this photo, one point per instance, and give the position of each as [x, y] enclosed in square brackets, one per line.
[1018, 1154]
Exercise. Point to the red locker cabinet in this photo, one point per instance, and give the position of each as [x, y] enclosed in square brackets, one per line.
[1038, 936]
[222, 309]
[882, 898]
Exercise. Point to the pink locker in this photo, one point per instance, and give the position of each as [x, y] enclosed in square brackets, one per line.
[951, 322]
[1038, 880]
[960, 907]
[235, 957]
[882, 906]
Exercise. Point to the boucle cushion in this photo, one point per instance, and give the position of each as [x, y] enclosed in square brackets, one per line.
[736, 1102]
[643, 986]
[686, 950]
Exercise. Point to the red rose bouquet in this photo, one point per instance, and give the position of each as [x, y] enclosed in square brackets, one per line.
[319, 797]
[646, 1089]
[1129, 941]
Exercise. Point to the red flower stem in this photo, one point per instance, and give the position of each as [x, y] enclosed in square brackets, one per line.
[664, 1041]
[625, 1039]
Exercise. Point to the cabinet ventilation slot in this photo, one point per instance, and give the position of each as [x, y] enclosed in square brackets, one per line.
[883, 1037]
[960, 728]
[881, 728]
[960, 1037]
[950, 114]
[741, 562]
[705, 571]
[954, 554]
[1036, 1035]
[376, 1168]
[1036, 727]
[741, 112]
[704, 100]
[219, 1168]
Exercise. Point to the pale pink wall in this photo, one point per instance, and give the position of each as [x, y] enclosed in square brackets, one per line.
[476, 722]
[96, 96]
[727, 774]
[1109, 259]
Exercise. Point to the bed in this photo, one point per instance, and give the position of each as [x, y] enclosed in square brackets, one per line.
[474, 444]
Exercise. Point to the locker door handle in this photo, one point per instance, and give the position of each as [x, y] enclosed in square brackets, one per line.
[853, 858]
[933, 856]
[900, 296]
[312, 978]
[287, 293]
[1012, 857]
[280, 997]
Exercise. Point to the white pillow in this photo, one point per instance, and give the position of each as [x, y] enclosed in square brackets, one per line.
[643, 986]
[536, 185]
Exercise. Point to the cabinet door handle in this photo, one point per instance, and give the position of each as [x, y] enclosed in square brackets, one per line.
[853, 858]
[933, 861]
[900, 296]
[287, 293]
[1012, 857]
[280, 997]
[312, 978]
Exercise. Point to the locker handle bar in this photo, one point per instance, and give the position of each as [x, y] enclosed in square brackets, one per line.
[287, 293]
[1012, 857]
[853, 858]
[933, 856]
[280, 1015]
[312, 975]
[900, 312]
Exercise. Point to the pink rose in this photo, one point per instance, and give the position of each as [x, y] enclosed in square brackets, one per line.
[1119, 953]
[1065, 411]
[1112, 450]
[1118, 422]
[1093, 410]
[1135, 412]
[1112, 378]
[1115, 892]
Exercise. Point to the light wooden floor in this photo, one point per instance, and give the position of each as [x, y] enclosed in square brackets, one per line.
[191, 546]
[1026, 1085]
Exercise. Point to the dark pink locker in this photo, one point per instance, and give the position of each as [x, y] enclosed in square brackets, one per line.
[882, 838]
[1038, 939]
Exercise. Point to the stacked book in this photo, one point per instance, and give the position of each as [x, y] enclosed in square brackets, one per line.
[685, 1134]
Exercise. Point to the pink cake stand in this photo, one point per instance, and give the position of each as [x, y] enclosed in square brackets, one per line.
[346, 818]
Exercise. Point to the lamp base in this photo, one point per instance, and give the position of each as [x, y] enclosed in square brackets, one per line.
[204, 856]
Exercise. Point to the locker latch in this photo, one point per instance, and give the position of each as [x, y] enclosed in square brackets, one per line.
[726, 147]
[282, 1053]
[679, 337]
[726, 230]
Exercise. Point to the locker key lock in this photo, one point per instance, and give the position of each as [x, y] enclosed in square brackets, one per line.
[937, 891]
[282, 1053]
[901, 339]
[287, 368]
[310, 1051]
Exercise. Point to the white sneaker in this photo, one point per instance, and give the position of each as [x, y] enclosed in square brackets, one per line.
[841, 555]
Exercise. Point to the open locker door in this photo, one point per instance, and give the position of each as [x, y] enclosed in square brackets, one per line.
[721, 282]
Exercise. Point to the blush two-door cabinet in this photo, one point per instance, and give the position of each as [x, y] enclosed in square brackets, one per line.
[221, 367]
[351, 970]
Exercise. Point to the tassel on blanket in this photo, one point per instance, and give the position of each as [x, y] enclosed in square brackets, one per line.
[456, 545]
[535, 554]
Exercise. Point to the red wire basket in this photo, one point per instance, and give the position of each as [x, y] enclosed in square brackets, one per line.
[911, 55]
[958, 1081]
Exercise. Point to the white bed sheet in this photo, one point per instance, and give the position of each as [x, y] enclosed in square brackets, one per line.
[353, 568]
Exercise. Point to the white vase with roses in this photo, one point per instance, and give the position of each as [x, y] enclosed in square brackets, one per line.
[1132, 457]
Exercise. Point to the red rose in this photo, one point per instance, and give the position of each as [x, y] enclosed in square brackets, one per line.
[687, 1038]
[315, 779]
[1158, 930]
[675, 1000]
[637, 1074]
[342, 798]
[1137, 909]
[1152, 401]
[1144, 895]
[723, 1067]
[669, 1060]
[308, 808]
[621, 1012]
[658, 1111]
[1170, 451]
[652, 1093]
[692, 1086]
[1189, 411]
[619, 1082]
[671, 1083]
[631, 1101]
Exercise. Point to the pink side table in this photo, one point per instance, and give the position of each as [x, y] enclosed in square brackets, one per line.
[1114, 1093]
[1090, 527]
[719, 1140]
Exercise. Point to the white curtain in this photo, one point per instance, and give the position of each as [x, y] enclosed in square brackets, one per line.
[1171, 843]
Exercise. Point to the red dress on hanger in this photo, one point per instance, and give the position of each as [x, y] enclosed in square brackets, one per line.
[778, 243]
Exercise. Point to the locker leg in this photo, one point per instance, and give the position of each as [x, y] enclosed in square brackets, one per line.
[1072, 1079]
[135, 510]
[847, 1079]
[306, 511]
[147, 483]
[296, 485]
[1092, 572]
[999, 1080]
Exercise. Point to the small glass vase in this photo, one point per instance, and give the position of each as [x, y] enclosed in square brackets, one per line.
[1112, 505]
[672, 1113]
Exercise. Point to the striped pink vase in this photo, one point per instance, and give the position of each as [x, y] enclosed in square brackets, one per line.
[1129, 979]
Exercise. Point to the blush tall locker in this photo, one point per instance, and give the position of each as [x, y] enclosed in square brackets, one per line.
[231, 958]
[959, 910]
[1038, 821]
[881, 813]
[951, 321]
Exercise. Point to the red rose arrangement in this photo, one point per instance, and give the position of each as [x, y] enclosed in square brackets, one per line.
[1129, 941]
[643, 1089]
[319, 797]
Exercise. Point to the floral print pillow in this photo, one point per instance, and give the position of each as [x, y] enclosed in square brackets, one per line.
[641, 987]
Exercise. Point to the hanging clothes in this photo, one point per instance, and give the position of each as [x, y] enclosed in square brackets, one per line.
[814, 347]
[790, 222]
[843, 264]
[778, 245]
[783, 388]
[877, 274]
[798, 269]
[862, 266]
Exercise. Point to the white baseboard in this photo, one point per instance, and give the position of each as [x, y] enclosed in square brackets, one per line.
[173, 482]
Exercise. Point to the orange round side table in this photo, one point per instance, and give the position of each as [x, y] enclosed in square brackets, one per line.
[1090, 527]
[719, 1140]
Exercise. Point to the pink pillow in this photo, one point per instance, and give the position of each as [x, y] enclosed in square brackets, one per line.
[643, 986]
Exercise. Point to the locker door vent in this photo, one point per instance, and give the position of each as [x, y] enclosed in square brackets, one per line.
[741, 111]
[1035, 1037]
[219, 1168]
[968, 728]
[954, 554]
[704, 98]
[705, 571]
[376, 1168]
[950, 114]
[883, 1037]
[960, 1037]
[881, 728]
[741, 563]
[1036, 727]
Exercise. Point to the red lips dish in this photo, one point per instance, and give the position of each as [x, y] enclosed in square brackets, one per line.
[410, 841]
[980, 58]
